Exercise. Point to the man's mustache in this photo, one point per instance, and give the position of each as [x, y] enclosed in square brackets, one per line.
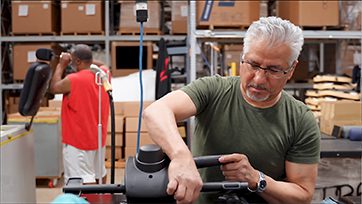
[258, 86]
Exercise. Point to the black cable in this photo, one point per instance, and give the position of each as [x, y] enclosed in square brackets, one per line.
[113, 136]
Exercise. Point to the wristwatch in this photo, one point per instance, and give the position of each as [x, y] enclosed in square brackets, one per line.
[261, 185]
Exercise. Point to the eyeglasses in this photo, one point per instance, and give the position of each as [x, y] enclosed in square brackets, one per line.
[275, 72]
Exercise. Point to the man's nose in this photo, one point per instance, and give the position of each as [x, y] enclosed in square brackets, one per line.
[260, 75]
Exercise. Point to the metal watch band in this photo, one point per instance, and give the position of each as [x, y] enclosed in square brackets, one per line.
[260, 185]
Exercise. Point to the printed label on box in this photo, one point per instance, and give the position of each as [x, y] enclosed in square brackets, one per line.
[45, 6]
[23, 10]
[31, 56]
[80, 8]
[184, 10]
[90, 9]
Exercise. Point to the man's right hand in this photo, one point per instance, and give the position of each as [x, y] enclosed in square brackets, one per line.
[184, 180]
[64, 59]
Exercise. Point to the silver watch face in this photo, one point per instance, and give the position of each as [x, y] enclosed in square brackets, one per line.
[262, 185]
[262, 182]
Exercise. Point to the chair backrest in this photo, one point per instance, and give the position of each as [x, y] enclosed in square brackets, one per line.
[35, 86]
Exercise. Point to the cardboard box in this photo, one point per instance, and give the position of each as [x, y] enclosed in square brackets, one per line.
[309, 13]
[125, 57]
[131, 139]
[118, 107]
[119, 123]
[82, 16]
[129, 152]
[118, 153]
[179, 13]
[131, 109]
[351, 12]
[128, 22]
[35, 17]
[132, 125]
[226, 13]
[342, 112]
[118, 139]
[24, 56]
[55, 104]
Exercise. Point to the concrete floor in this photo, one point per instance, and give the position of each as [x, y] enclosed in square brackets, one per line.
[44, 194]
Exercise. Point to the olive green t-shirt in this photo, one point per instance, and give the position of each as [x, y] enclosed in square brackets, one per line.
[226, 123]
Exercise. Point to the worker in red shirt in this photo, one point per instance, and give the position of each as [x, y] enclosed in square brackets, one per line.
[80, 115]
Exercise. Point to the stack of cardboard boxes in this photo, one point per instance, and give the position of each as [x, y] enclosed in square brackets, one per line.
[50, 18]
[130, 113]
[339, 113]
[118, 129]
[330, 89]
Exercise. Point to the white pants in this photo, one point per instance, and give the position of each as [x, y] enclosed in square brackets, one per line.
[82, 163]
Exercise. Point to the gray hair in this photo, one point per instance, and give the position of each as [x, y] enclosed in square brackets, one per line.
[83, 52]
[275, 31]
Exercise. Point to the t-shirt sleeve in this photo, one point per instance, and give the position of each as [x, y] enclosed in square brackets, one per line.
[201, 90]
[306, 147]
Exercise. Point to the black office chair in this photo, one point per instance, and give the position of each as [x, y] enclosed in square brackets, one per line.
[35, 86]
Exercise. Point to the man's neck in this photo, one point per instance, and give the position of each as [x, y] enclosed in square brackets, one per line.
[261, 104]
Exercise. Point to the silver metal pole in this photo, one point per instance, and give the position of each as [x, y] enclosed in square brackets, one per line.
[321, 57]
[1, 65]
[212, 59]
[192, 61]
[99, 83]
[107, 41]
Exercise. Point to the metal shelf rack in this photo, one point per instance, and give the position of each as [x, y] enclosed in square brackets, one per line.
[107, 38]
[195, 35]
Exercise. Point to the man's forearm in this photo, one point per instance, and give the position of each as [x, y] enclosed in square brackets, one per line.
[285, 192]
[163, 130]
[57, 76]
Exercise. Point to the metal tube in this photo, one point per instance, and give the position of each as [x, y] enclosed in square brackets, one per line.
[99, 83]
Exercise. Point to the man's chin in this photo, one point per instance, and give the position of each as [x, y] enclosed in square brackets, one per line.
[257, 97]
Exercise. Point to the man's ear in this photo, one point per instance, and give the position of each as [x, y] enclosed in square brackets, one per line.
[293, 69]
[240, 64]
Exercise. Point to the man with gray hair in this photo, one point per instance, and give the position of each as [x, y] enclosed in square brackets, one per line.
[267, 138]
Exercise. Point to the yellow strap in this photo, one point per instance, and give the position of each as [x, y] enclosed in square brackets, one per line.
[12, 138]
[36, 120]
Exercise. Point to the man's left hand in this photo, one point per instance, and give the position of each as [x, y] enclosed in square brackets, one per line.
[236, 167]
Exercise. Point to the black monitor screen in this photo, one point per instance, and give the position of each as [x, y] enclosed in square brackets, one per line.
[127, 57]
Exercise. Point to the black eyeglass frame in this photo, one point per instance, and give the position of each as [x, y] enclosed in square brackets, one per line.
[270, 69]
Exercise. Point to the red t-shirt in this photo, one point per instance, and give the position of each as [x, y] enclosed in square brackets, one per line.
[80, 112]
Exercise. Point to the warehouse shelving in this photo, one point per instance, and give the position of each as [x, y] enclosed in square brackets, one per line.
[105, 39]
[196, 35]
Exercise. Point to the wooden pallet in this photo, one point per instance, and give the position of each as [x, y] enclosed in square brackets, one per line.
[82, 33]
[339, 27]
[34, 34]
[19, 81]
[223, 27]
[120, 164]
[135, 31]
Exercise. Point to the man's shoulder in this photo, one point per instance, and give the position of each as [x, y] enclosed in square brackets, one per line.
[294, 103]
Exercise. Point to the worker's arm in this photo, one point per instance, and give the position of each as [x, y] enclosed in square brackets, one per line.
[161, 120]
[57, 84]
[298, 187]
